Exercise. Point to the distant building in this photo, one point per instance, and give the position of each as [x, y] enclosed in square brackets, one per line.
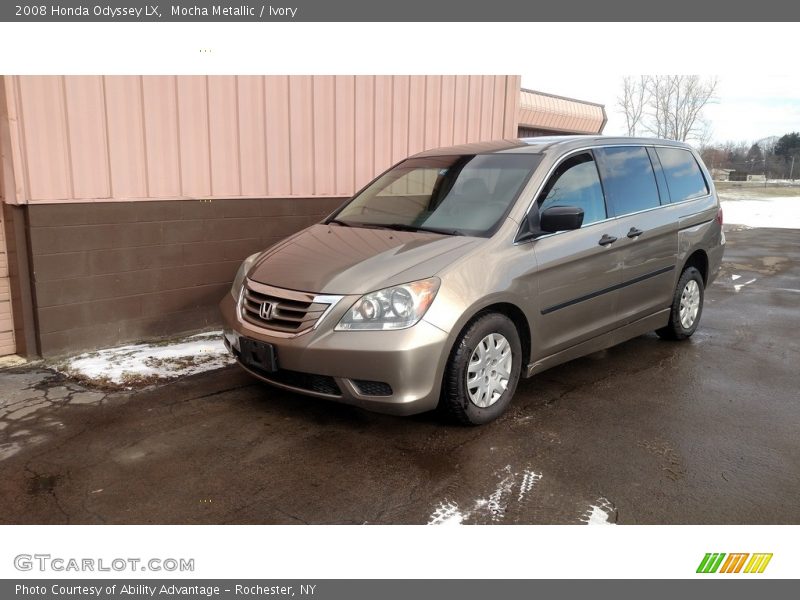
[718, 174]
[738, 175]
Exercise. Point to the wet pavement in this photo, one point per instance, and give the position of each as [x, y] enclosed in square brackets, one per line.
[706, 431]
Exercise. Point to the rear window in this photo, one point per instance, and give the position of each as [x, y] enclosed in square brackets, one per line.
[628, 179]
[684, 178]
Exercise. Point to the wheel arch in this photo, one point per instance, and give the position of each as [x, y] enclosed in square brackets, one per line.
[514, 314]
[699, 260]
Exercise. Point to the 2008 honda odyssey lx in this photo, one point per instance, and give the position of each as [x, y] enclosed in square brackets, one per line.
[461, 269]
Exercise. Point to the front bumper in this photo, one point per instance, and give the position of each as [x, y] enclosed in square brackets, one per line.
[347, 366]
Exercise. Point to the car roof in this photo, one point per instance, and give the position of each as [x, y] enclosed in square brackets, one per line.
[537, 145]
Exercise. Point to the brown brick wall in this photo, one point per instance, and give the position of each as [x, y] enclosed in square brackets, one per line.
[106, 273]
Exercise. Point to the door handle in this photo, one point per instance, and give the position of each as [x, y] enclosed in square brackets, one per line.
[634, 233]
[607, 240]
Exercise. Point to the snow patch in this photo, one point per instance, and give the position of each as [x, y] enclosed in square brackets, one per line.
[125, 366]
[492, 507]
[770, 212]
[599, 513]
[529, 480]
[739, 286]
[497, 502]
[446, 513]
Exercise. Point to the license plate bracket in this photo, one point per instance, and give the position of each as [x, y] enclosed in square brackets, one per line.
[259, 355]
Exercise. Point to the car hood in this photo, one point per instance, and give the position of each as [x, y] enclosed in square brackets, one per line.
[333, 259]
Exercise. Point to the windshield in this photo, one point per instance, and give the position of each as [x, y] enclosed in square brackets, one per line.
[458, 195]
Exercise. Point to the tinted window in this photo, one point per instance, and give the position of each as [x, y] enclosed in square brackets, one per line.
[684, 178]
[628, 179]
[575, 183]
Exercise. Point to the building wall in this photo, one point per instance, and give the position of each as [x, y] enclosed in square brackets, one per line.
[95, 138]
[7, 338]
[111, 272]
[7, 344]
[138, 197]
[555, 114]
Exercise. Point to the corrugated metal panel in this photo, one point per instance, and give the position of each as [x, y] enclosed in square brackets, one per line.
[43, 123]
[83, 138]
[7, 345]
[88, 156]
[538, 110]
[301, 135]
[194, 137]
[223, 121]
[345, 112]
[126, 137]
[364, 129]
[277, 136]
[324, 141]
[447, 103]
[162, 140]
[382, 123]
[252, 135]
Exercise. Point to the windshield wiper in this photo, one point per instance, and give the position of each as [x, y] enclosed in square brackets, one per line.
[338, 222]
[404, 227]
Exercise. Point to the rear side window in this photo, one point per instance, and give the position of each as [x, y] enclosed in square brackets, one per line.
[684, 178]
[575, 183]
[628, 179]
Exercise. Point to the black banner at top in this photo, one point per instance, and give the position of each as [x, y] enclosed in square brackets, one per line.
[400, 11]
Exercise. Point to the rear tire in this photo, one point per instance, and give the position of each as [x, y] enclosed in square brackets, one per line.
[482, 371]
[687, 306]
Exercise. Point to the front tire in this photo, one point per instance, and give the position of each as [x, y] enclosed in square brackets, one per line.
[483, 370]
[687, 306]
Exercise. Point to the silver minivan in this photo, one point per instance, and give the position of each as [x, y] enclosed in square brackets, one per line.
[462, 269]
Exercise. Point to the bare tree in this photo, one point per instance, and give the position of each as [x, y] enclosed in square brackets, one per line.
[662, 92]
[668, 106]
[634, 99]
[768, 144]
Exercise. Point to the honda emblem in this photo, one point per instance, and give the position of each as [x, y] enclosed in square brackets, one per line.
[265, 312]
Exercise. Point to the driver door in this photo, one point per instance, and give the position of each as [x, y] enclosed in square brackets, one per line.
[579, 271]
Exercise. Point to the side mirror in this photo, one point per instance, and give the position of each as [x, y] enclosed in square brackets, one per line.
[561, 218]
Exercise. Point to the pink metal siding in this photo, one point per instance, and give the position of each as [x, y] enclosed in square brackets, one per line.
[252, 135]
[538, 110]
[126, 137]
[194, 135]
[84, 138]
[162, 138]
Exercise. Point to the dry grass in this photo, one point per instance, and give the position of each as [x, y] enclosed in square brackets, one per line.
[736, 189]
[181, 362]
[129, 380]
[103, 384]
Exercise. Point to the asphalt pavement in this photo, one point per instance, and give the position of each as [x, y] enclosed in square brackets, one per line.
[703, 431]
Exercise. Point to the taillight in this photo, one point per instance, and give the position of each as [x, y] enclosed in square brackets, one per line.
[719, 217]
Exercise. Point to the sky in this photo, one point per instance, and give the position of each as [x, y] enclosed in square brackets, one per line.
[746, 108]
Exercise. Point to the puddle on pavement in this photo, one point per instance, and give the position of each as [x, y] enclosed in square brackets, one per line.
[42, 484]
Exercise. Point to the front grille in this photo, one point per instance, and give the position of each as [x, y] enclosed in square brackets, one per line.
[372, 388]
[322, 384]
[288, 311]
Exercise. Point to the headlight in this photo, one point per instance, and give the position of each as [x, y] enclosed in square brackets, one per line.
[395, 307]
[238, 281]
